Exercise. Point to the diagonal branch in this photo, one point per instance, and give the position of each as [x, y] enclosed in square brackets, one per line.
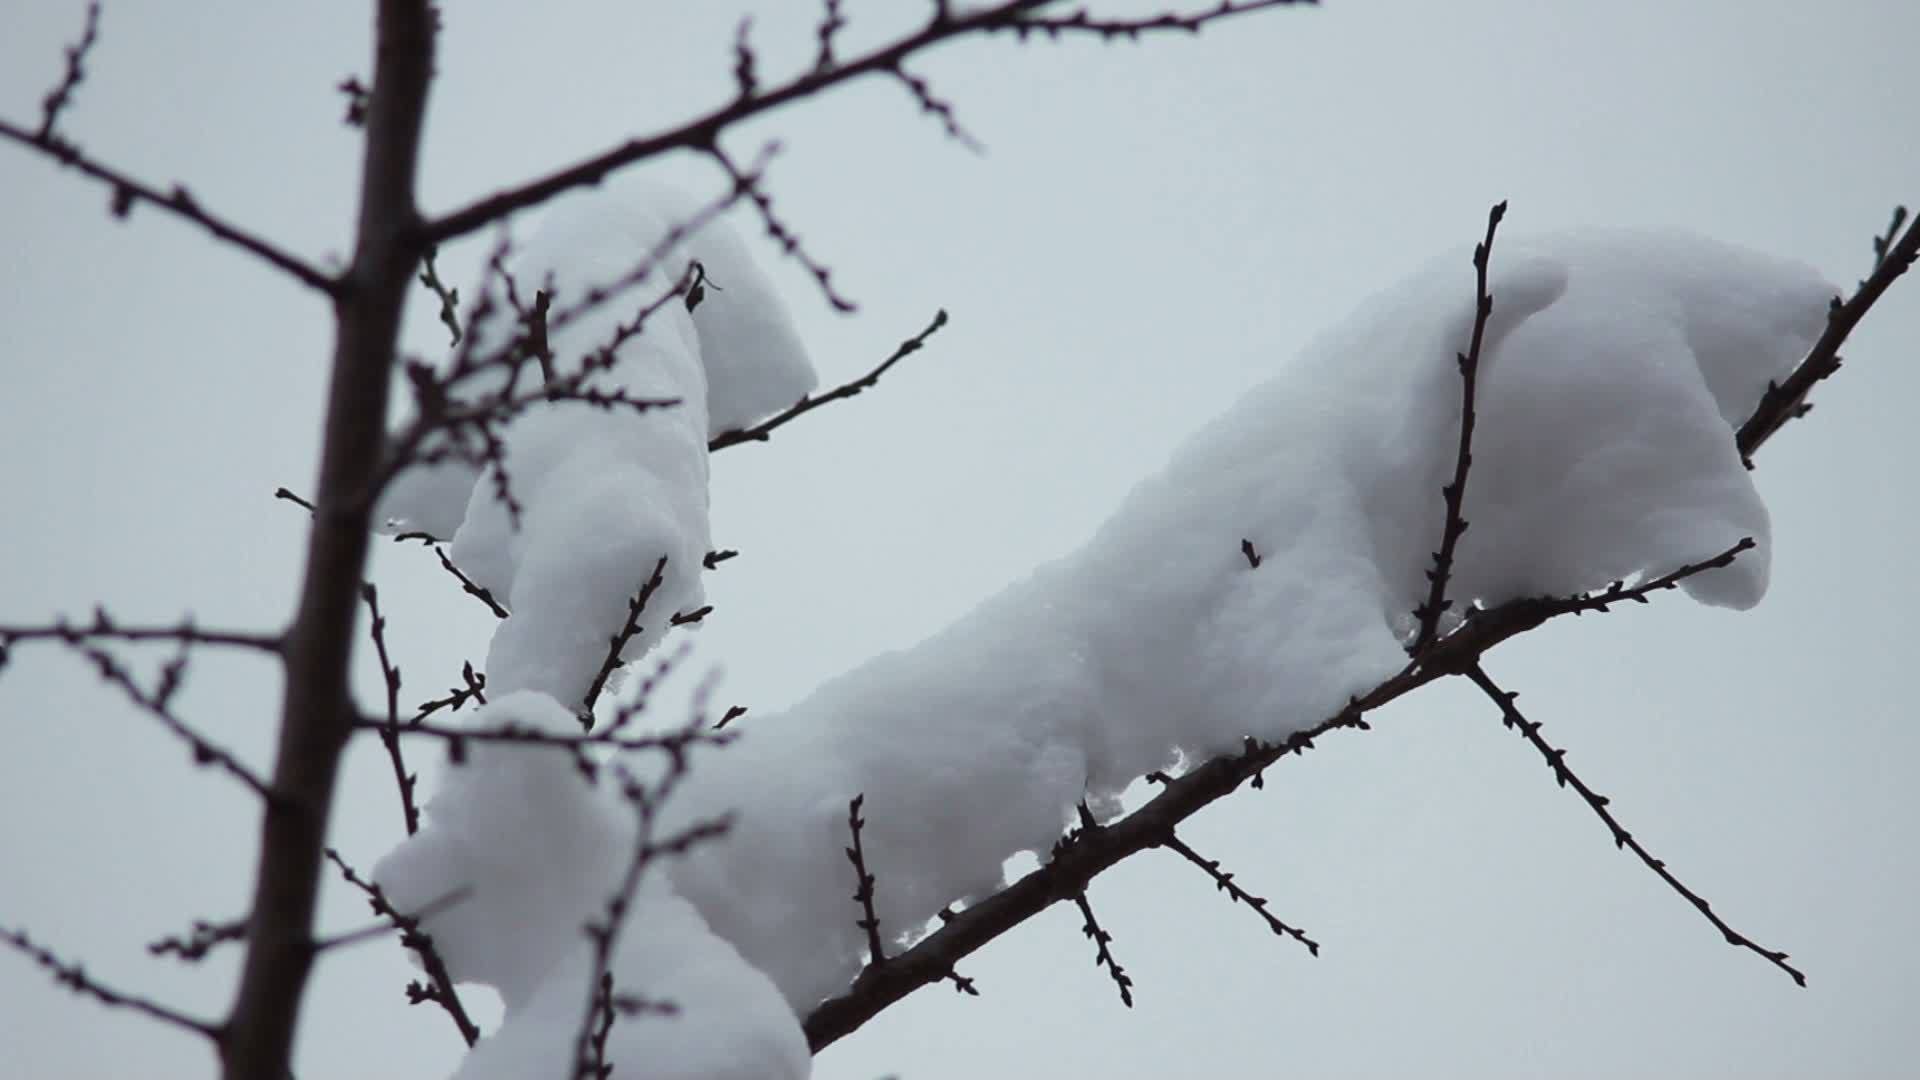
[1511, 716]
[1787, 400]
[764, 430]
[1094, 851]
[1223, 880]
[75, 978]
[441, 990]
[703, 132]
[179, 202]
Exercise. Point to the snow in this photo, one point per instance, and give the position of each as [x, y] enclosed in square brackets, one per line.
[531, 852]
[603, 494]
[1615, 365]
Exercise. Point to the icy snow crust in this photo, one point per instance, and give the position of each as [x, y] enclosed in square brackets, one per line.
[1615, 366]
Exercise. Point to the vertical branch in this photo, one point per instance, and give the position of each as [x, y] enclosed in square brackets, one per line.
[317, 713]
[1428, 613]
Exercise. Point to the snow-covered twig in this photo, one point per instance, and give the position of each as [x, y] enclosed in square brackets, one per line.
[441, 990]
[1555, 758]
[75, 978]
[1787, 400]
[1454, 494]
[762, 431]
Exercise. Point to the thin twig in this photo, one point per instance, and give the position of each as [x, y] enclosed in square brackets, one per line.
[1102, 950]
[1511, 716]
[1428, 614]
[869, 920]
[390, 729]
[75, 978]
[762, 431]
[1786, 400]
[618, 642]
[441, 992]
[129, 192]
[1225, 883]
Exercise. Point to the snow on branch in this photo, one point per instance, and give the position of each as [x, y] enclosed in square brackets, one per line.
[1093, 852]
[1556, 759]
[1787, 400]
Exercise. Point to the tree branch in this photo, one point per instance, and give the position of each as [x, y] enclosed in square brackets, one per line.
[1787, 400]
[764, 430]
[1427, 615]
[1511, 717]
[317, 713]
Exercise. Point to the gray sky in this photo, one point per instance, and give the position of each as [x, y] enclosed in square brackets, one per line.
[1151, 230]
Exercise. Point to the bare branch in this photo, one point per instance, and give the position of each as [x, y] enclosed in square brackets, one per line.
[1427, 615]
[61, 95]
[158, 703]
[129, 192]
[1556, 760]
[390, 730]
[1225, 883]
[751, 99]
[1102, 950]
[762, 431]
[74, 977]
[104, 628]
[203, 939]
[441, 990]
[869, 920]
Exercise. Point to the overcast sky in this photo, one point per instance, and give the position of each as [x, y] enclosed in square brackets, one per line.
[1150, 230]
